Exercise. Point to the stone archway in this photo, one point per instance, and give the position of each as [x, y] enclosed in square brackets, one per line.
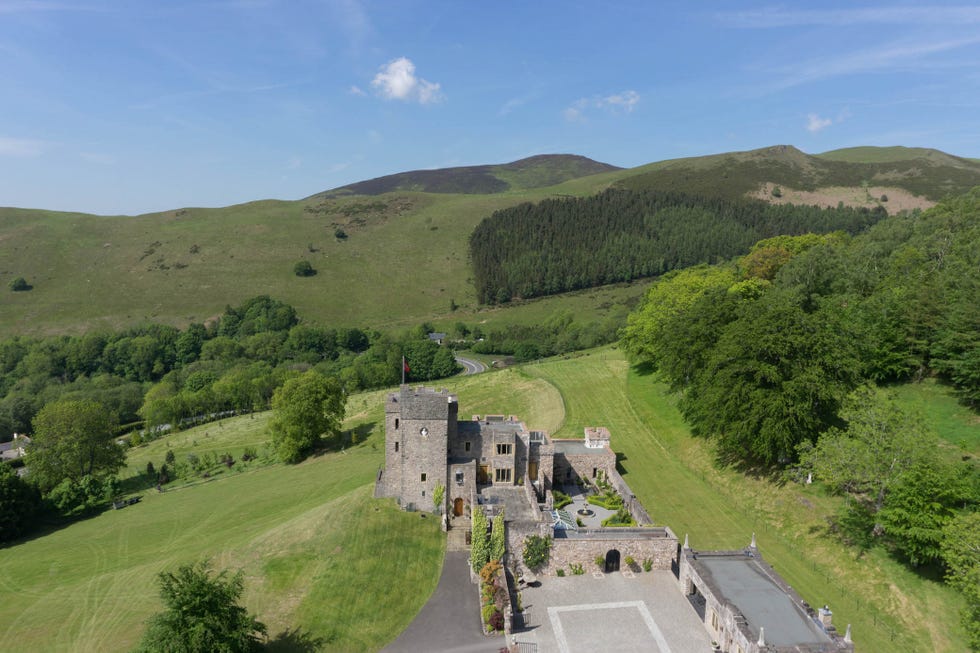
[458, 507]
[612, 560]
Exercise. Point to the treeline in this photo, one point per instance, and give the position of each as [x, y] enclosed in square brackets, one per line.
[165, 375]
[778, 358]
[559, 245]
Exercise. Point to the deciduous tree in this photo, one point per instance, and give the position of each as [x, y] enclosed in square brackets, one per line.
[73, 439]
[306, 409]
[202, 615]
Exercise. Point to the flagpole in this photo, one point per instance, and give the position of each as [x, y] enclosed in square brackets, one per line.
[403, 370]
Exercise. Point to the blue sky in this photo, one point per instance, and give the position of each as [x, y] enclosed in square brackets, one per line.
[127, 106]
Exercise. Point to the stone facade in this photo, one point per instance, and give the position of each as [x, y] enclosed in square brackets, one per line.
[800, 629]
[418, 427]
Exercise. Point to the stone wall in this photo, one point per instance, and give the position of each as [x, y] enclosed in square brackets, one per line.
[588, 545]
[636, 508]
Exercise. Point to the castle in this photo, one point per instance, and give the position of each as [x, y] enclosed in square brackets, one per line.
[495, 462]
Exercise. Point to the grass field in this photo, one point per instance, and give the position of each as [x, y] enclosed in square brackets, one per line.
[672, 473]
[325, 562]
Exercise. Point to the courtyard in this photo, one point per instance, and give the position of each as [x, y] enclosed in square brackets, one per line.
[620, 611]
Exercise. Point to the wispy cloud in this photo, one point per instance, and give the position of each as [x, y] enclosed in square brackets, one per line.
[511, 104]
[815, 123]
[356, 90]
[916, 16]
[397, 81]
[880, 59]
[22, 147]
[619, 103]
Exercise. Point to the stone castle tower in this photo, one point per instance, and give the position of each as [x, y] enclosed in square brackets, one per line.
[419, 424]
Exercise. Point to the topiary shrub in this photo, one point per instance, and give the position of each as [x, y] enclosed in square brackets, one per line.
[561, 499]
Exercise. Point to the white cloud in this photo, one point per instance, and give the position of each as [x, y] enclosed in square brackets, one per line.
[397, 81]
[625, 100]
[815, 123]
[356, 90]
[21, 147]
[616, 104]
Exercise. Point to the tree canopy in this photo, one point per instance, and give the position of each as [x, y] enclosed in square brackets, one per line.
[306, 409]
[202, 615]
[19, 501]
[72, 440]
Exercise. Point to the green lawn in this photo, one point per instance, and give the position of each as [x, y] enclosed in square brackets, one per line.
[308, 538]
[956, 424]
[673, 475]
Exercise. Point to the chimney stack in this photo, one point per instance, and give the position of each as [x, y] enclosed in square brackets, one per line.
[826, 617]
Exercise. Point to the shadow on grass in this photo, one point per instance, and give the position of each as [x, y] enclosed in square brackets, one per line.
[296, 640]
[644, 369]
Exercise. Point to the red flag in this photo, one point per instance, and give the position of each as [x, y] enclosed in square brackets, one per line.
[405, 365]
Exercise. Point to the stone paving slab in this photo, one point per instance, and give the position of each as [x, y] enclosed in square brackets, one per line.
[582, 614]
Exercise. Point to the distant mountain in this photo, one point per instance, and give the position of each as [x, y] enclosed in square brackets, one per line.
[533, 172]
[926, 173]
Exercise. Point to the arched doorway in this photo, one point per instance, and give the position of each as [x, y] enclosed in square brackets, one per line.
[458, 507]
[612, 560]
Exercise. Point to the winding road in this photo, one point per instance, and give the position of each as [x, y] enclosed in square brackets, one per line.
[470, 366]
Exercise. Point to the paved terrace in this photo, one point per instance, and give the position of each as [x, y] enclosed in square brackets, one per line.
[622, 611]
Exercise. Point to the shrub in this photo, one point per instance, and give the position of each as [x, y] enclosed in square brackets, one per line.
[620, 519]
[303, 269]
[135, 439]
[497, 620]
[561, 499]
[248, 455]
[647, 564]
[498, 541]
[536, 550]
[884, 198]
[630, 562]
[560, 572]
[488, 574]
[576, 568]
[170, 457]
[600, 562]
[19, 284]
[151, 471]
[480, 543]
[486, 612]
[777, 191]
[339, 234]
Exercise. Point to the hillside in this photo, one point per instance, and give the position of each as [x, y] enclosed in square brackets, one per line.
[929, 174]
[404, 259]
[532, 172]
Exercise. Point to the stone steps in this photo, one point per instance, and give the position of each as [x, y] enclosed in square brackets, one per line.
[456, 536]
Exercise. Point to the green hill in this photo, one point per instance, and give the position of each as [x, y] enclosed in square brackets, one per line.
[533, 172]
[384, 260]
[927, 173]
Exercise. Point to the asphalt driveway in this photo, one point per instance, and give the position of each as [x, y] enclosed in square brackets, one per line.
[450, 621]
